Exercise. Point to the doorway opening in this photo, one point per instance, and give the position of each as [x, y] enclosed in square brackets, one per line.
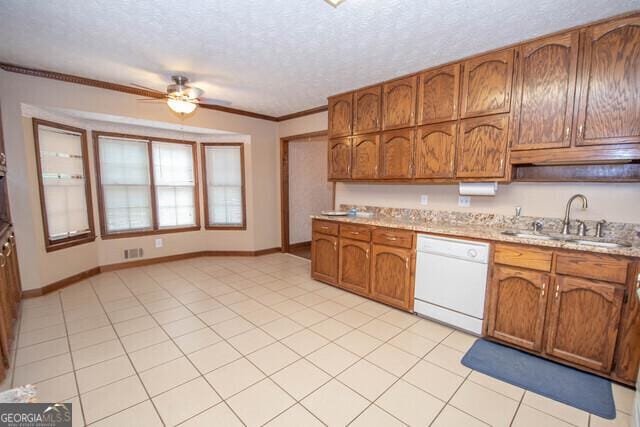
[304, 189]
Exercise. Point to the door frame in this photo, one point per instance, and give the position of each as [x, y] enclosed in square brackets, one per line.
[285, 246]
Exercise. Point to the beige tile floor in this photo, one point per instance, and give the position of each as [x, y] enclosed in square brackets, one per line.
[255, 341]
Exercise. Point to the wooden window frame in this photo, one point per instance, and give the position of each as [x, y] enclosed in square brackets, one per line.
[68, 242]
[149, 140]
[205, 186]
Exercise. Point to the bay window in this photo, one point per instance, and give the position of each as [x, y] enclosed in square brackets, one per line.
[223, 172]
[64, 185]
[147, 185]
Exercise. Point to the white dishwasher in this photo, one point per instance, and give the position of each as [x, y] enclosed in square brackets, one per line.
[451, 279]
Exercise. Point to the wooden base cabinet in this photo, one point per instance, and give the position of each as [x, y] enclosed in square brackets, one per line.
[391, 276]
[324, 258]
[10, 294]
[354, 265]
[571, 310]
[583, 322]
[518, 304]
[377, 263]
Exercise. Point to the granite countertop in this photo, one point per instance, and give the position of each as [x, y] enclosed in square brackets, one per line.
[484, 232]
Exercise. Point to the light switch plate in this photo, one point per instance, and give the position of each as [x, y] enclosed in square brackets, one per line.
[464, 201]
[159, 243]
[424, 199]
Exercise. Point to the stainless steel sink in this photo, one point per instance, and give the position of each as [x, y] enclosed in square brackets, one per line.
[600, 243]
[526, 235]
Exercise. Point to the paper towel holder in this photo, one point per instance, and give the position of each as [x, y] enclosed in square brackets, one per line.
[478, 188]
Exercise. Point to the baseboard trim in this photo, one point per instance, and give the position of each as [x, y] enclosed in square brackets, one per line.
[300, 245]
[67, 281]
[52, 287]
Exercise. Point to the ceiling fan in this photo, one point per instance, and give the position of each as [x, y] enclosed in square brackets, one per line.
[180, 97]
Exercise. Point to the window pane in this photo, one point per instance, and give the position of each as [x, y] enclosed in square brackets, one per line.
[63, 180]
[174, 179]
[124, 170]
[224, 185]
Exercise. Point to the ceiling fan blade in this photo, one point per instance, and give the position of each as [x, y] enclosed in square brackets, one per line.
[150, 100]
[147, 88]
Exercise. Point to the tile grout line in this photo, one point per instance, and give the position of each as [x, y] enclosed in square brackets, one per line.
[137, 374]
[75, 377]
[183, 355]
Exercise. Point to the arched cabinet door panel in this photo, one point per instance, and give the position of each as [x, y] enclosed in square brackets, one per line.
[517, 302]
[339, 158]
[399, 103]
[482, 147]
[396, 154]
[609, 110]
[544, 96]
[366, 156]
[583, 321]
[340, 115]
[354, 265]
[324, 258]
[438, 94]
[391, 276]
[435, 151]
[367, 110]
[486, 84]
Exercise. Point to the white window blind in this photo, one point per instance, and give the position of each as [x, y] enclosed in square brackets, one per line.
[173, 173]
[124, 173]
[63, 180]
[224, 185]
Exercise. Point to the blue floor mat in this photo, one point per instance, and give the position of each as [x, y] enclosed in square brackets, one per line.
[558, 382]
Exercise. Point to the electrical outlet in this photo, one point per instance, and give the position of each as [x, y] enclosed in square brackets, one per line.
[464, 201]
[159, 243]
[424, 199]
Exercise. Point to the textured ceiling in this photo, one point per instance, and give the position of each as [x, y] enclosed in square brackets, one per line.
[272, 56]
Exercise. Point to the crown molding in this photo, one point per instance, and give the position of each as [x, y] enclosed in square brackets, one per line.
[70, 78]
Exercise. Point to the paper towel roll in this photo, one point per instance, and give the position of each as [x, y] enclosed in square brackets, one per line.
[478, 188]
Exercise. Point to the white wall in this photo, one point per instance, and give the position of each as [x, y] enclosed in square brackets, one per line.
[40, 268]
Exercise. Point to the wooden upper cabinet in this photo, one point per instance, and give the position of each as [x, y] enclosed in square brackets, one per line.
[609, 111]
[583, 322]
[399, 103]
[340, 115]
[354, 265]
[435, 151]
[340, 158]
[544, 94]
[324, 257]
[391, 279]
[482, 147]
[517, 302]
[486, 84]
[397, 154]
[367, 109]
[366, 154]
[438, 94]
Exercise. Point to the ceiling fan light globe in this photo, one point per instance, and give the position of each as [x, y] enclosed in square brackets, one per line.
[181, 107]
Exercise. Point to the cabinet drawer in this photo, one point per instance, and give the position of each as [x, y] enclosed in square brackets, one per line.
[389, 237]
[356, 232]
[523, 256]
[325, 227]
[593, 266]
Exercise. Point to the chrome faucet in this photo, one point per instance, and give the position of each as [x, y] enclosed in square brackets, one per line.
[567, 222]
